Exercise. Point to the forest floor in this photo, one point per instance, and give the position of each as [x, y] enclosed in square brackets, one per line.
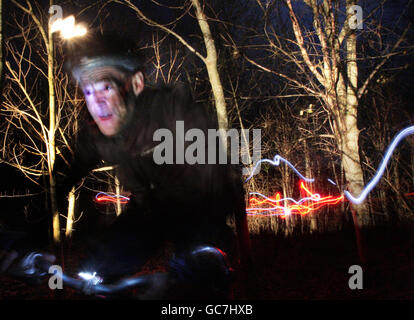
[317, 267]
[313, 267]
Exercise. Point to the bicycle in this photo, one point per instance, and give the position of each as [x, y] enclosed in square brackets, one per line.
[34, 266]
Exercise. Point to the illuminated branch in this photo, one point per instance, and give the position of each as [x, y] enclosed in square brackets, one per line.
[162, 27]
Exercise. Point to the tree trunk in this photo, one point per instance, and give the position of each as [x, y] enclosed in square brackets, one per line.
[71, 213]
[352, 167]
[211, 64]
[51, 137]
[220, 103]
[118, 209]
[348, 130]
[309, 175]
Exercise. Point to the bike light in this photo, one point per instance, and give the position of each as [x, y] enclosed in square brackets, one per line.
[91, 277]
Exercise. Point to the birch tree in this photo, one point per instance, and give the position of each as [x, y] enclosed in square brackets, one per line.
[210, 61]
[328, 52]
[35, 130]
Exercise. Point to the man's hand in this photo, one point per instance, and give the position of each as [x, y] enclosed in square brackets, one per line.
[17, 257]
[26, 266]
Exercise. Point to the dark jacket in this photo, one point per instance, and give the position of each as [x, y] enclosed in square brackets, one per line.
[187, 204]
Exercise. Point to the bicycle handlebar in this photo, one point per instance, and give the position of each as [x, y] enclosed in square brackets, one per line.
[92, 286]
[35, 265]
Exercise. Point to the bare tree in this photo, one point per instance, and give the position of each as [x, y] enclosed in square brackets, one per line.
[328, 54]
[35, 132]
[210, 60]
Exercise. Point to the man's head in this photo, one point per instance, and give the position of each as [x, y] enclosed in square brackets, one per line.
[110, 77]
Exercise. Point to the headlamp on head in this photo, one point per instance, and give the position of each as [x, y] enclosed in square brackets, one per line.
[94, 66]
[101, 54]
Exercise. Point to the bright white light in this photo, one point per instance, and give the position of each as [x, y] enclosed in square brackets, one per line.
[67, 28]
[92, 277]
[86, 275]
[56, 26]
[80, 30]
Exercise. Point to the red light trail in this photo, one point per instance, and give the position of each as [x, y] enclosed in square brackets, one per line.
[104, 198]
[273, 206]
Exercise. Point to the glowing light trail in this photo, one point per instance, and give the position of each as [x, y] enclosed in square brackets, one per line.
[381, 169]
[271, 206]
[267, 199]
[276, 162]
[103, 197]
[332, 182]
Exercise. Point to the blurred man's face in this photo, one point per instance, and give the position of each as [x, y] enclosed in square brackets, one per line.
[105, 103]
[106, 106]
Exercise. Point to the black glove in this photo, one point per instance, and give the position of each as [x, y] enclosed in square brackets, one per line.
[17, 256]
[28, 269]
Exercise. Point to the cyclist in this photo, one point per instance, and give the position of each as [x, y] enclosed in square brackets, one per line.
[182, 203]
